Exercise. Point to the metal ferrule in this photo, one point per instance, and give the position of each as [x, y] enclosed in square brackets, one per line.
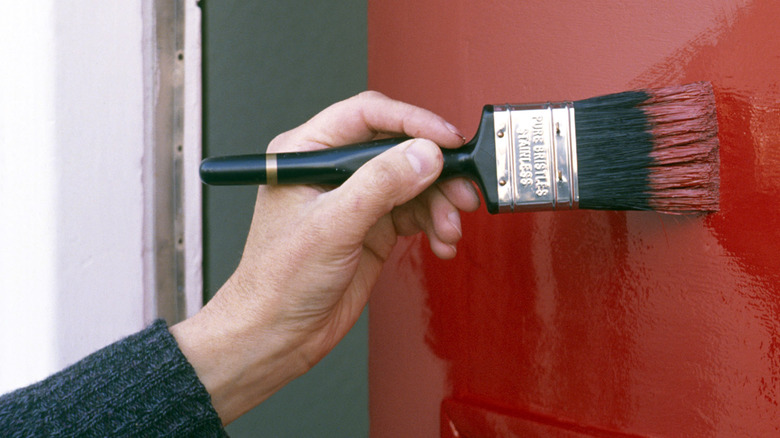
[536, 156]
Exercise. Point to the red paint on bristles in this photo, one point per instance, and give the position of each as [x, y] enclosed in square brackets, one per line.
[685, 174]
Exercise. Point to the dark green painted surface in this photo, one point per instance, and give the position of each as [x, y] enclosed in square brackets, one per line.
[269, 66]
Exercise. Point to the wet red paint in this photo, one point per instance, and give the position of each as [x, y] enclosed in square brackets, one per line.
[586, 323]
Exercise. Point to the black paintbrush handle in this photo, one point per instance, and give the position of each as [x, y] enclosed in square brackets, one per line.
[326, 166]
[475, 160]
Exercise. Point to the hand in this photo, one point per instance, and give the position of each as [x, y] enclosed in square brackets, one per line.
[313, 255]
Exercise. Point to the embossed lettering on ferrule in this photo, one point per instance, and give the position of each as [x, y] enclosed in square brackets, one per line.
[541, 147]
[536, 166]
[525, 168]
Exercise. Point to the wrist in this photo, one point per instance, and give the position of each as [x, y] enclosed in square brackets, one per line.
[240, 360]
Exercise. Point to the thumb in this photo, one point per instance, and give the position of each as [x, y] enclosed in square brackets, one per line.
[388, 180]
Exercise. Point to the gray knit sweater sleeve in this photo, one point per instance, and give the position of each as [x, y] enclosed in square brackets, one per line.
[141, 386]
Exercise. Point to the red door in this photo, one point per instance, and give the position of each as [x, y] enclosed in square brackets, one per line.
[586, 323]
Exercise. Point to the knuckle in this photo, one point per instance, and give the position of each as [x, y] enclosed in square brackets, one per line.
[384, 175]
[371, 95]
[279, 142]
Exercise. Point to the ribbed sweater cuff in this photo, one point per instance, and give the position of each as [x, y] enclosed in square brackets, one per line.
[140, 386]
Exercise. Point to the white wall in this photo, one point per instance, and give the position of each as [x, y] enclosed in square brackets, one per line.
[73, 84]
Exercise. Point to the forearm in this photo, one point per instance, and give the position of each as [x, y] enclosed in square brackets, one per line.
[140, 386]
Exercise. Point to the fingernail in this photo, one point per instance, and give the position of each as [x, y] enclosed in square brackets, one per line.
[454, 218]
[455, 131]
[421, 156]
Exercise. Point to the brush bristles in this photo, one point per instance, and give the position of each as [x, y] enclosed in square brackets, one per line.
[649, 150]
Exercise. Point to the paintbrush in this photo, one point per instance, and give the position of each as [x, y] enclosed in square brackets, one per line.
[651, 149]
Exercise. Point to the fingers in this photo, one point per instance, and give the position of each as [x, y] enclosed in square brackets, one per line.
[391, 180]
[437, 213]
[461, 193]
[363, 118]
[406, 119]
[443, 227]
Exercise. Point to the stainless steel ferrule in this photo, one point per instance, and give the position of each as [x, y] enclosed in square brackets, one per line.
[536, 156]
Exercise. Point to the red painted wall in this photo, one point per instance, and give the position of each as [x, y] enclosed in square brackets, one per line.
[586, 323]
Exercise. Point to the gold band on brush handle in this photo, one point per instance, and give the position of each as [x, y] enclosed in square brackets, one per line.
[271, 170]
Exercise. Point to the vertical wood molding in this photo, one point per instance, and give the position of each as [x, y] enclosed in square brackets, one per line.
[173, 279]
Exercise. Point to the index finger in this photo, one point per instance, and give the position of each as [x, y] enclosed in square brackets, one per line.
[371, 114]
